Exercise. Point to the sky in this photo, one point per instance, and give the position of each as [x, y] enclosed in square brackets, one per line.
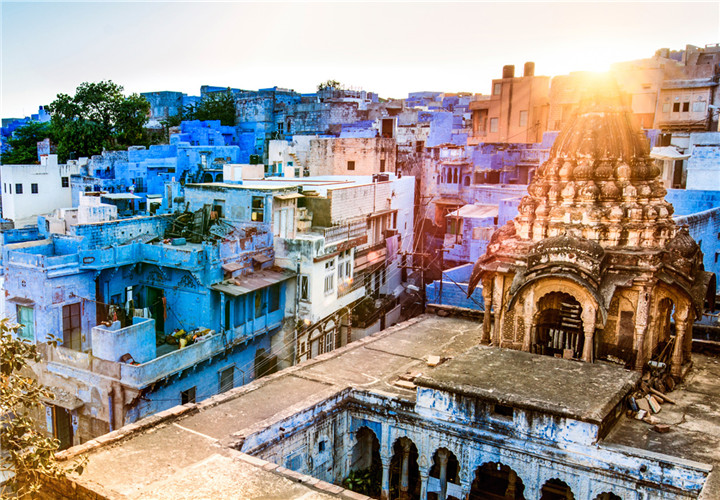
[391, 48]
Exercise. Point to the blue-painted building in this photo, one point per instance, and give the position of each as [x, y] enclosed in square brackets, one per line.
[10, 125]
[145, 319]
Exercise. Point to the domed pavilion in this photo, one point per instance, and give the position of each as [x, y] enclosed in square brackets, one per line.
[593, 266]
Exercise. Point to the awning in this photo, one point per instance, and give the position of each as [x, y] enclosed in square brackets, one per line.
[254, 281]
[261, 258]
[448, 201]
[289, 196]
[668, 153]
[62, 399]
[153, 196]
[21, 300]
[475, 211]
[232, 266]
[120, 196]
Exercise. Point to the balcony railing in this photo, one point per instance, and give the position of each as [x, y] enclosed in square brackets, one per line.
[344, 232]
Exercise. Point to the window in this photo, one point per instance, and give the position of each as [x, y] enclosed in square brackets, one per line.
[493, 124]
[187, 396]
[34, 188]
[18, 188]
[65, 182]
[503, 410]
[497, 88]
[523, 119]
[676, 107]
[72, 338]
[281, 127]
[259, 305]
[258, 209]
[686, 107]
[698, 107]
[329, 277]
[304, 287]
[321, 446]
[329, 343]
[274, 303]
[226, 379]
[26, 317]
[5, 187]
[382, 165]
[351, 165]
[666, 107]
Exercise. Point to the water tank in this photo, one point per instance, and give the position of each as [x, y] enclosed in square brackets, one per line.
[529, 69]
[508, 71]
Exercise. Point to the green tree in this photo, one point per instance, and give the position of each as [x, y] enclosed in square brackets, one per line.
[98, 117]
[213, 106]
[329, 84]
[23, 143]
[26, 455]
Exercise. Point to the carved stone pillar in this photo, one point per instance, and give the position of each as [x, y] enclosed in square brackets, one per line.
[498, 290]
[641, 322]
[443, 461]
[681, 329]
[423, 485]
[385, 486]
[512, 485]
[487, 317]
[405, 471]
[588, 318]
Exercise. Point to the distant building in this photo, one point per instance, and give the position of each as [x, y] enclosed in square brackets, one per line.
[31, 190]
[516, 111]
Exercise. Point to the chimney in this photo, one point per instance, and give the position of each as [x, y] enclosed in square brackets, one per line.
[508, 71]
[529, 69]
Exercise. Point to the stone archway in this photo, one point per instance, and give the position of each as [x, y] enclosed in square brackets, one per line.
[366, 466]
[444, 476]
[496, 481]
[608, 496]
[558, 326]
[404, 471]
[555, 489]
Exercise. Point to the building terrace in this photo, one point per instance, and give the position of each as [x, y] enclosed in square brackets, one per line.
[292, 434]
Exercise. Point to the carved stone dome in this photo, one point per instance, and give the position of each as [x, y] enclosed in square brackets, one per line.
[565, 244]
[683, 243]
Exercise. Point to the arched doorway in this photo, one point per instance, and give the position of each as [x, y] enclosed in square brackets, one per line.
[559, 326]
[495, 481]
[554, 489]
[608, 496]
[404, 471]
[444, 477]
[365, 475]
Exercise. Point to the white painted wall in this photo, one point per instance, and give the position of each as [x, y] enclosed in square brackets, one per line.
[48, 178]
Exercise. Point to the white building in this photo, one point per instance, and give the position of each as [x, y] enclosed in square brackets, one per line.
[31, 190]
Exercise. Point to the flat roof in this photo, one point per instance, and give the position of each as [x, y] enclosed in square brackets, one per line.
[568, 388]
[144, 461]
[475, 211]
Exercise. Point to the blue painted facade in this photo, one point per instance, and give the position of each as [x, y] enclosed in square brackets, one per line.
[453, 290]
[10, 125]
[104, 293]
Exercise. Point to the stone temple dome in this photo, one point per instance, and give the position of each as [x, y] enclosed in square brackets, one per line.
[599, 184]
[593, 266]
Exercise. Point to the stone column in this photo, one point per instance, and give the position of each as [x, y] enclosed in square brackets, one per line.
[385, 485]
[498, 290]
[423, 485]
[405, 471]
[443, 461]
[641, 321]
[681, 330]
[512, 485]
[588, 318]
[487, 317]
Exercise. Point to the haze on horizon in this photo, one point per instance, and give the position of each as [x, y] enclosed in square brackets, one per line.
[388, 48]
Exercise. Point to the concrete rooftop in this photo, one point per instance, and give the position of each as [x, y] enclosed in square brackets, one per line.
[562, 387]
[188, 451]
[164, 456]
[694, 423]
